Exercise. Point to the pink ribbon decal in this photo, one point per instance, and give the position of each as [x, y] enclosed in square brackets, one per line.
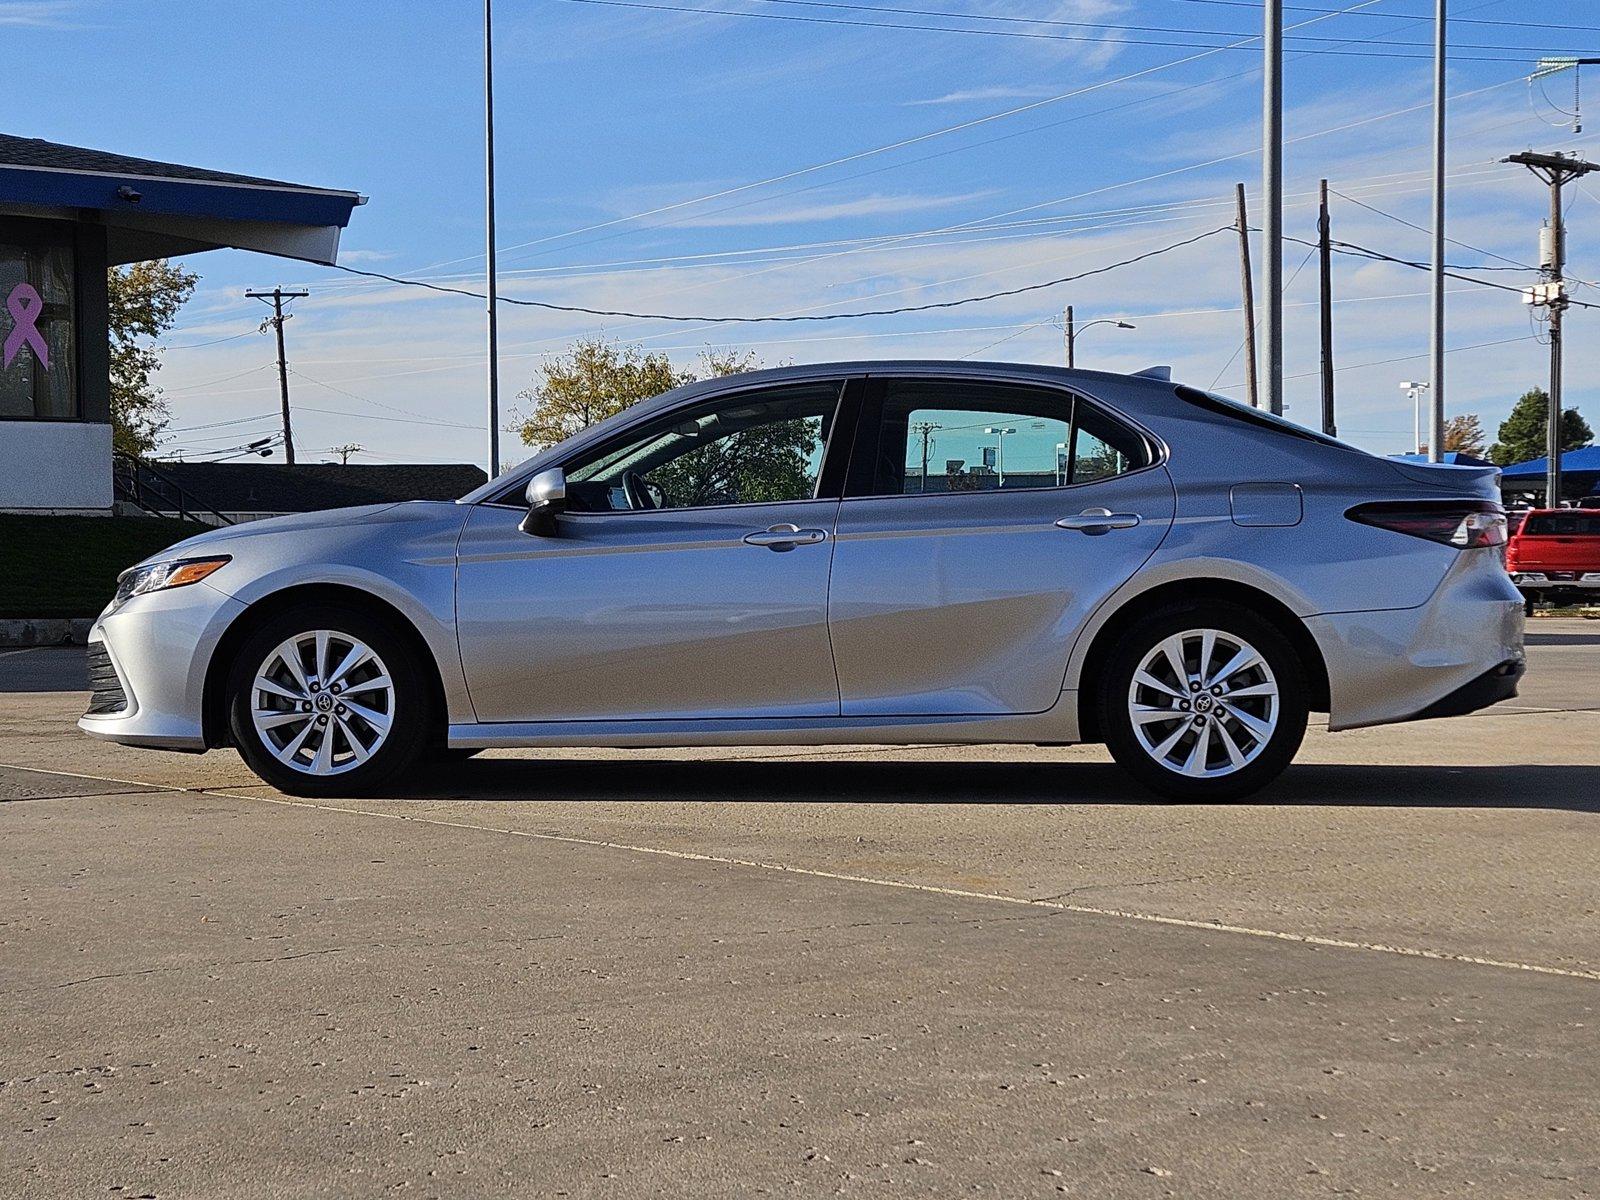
[24, 305]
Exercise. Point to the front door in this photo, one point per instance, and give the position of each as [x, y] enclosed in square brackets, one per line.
[689, 578]
[982, 524]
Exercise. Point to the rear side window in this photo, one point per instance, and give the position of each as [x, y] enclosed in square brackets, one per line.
[1558, 524]
[939, 436]
[1224, 407]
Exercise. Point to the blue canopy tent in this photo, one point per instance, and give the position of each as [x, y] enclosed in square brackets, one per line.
[1580, 473]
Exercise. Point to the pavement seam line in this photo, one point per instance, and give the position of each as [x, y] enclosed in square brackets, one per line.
[1306, 939]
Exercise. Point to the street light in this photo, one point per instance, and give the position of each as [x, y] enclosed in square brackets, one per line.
[1415, 390]
[999, 432]
[1073, 332]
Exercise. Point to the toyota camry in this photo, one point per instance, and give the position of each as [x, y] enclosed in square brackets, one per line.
[886, 552]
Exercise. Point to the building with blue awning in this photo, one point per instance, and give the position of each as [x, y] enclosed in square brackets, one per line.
[67, 213]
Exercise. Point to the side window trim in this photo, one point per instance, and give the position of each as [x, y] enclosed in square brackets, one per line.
[861, 484]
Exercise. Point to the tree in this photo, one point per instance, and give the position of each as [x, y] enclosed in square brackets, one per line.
[145, 299]
[596, 379]
[1522, 434]
[1464, 434]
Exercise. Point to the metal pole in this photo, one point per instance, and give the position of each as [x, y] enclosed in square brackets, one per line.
[1558, 302]
[488, 181]
[1436, 330]
[1325, 249]
[1248, 288]
[1071, 337]
[1272, 199]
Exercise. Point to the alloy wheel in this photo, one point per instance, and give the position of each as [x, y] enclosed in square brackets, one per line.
[1204, 703]
[322, 702]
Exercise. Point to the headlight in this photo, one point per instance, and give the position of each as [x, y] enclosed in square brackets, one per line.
[155, 577]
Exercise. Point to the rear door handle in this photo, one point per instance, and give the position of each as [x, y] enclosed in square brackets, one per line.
[785, 537]
[1098, 520]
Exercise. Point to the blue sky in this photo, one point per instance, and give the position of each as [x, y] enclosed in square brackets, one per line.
[606, 112]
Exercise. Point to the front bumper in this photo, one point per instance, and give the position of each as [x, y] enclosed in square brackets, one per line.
[1391, 665]
[157, 648]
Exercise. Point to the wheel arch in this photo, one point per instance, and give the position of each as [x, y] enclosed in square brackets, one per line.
[1188, 593]
[214, 702]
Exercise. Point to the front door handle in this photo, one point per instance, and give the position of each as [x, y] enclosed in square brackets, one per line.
[1098, 520]
[785, 537]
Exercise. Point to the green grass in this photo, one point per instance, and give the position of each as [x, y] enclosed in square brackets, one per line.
[68, 566]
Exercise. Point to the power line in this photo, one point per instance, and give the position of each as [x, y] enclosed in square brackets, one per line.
[1255, 5]
[1013, 33]
[745, 320]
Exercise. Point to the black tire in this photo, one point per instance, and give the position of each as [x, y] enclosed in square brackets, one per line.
[1275, 751]
[412, 713]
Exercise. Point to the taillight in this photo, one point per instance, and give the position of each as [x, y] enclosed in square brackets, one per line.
[1465, 524]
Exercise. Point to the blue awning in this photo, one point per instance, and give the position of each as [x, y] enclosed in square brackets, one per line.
[154, 209]
[1533, 471]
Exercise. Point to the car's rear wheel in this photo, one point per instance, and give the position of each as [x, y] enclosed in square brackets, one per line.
[1204, 703]
[328, 700]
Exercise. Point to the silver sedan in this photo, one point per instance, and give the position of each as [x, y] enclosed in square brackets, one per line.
[889, 552]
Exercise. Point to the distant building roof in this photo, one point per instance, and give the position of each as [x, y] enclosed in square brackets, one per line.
[311, 487]
[154, 209]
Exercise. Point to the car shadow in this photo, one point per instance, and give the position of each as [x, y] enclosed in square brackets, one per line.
[1569, 788]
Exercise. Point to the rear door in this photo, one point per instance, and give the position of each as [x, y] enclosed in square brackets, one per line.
[982, 523]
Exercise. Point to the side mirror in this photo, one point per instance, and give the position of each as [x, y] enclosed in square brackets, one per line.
[547, 499]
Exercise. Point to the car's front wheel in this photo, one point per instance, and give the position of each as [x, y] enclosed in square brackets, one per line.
[1204, 703]
[327, 700]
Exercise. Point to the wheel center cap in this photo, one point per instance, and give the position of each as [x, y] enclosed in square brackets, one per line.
[1202, 704]
[324, 702]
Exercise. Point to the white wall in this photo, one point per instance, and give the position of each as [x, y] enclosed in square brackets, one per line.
[54, 465]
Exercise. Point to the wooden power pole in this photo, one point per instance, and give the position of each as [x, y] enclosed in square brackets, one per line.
[277, 296]
[1248, 289]
[1325, 252]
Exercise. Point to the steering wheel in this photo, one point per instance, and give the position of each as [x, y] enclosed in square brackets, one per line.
[641, 494]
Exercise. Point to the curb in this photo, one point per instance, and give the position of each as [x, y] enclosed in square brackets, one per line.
[45, 631]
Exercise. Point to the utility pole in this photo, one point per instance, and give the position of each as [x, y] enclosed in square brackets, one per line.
[488, 187]
[1272, 198]
[1071, 338]
[344, 452]
[1325, 253]
[925, 430]
[1436, 327]
[1556, 170]
[1248, 288]
[277, 296]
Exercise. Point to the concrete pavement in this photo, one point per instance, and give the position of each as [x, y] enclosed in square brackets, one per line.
[879, 972]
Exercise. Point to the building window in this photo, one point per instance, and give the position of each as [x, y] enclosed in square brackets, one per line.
[38, 361]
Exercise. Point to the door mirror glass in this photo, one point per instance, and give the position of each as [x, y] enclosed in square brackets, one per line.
[547, 499]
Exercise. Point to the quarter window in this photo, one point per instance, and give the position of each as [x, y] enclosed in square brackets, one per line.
[936, 436]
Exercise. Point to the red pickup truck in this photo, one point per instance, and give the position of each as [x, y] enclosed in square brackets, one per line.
[1554, 554]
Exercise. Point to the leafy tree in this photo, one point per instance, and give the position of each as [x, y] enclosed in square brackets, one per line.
[597, 379]
[1465, 434]
[1522, 434]
[145, 299]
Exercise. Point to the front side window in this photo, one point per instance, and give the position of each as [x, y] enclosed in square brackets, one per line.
[940, 436]
[37, 358]
[761, 447]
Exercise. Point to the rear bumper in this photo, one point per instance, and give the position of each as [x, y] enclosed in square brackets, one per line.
[1491, 687]
[1405, 664]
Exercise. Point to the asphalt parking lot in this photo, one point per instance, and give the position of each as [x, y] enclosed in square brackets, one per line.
[856, 971]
